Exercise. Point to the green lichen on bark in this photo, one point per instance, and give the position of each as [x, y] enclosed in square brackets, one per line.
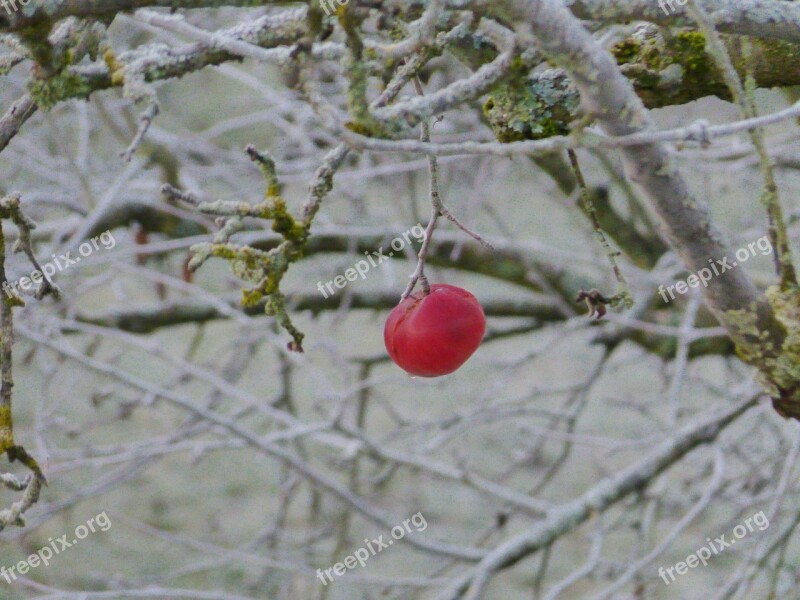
[362, 121]
[283, 222]
[772, 345]
[666, 67]
[263, 270]
[531, 107]
[54, 52]
[49, 91]
[670, 69]
[673, 67]
[786, 304]
[784, 369]
[6, 429]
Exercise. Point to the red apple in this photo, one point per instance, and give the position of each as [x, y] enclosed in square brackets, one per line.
[434, 335]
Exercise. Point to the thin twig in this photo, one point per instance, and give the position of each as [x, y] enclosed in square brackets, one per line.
[744, 97]
[623, 294]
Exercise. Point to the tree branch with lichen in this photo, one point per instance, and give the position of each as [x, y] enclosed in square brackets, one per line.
[751, 320]
[262, 269]
[10, 210]
[665, 67]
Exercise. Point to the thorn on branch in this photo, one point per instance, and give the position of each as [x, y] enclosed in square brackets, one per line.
[595, 301]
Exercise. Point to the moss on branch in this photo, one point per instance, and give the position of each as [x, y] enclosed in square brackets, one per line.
[665, 67]
[669, 68]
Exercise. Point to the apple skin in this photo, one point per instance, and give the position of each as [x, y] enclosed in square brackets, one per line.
[434, 335]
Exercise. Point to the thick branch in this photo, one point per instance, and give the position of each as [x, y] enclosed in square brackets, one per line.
[157, 62]
[38, 12]
[172, 314]
[666, 68]
[609, 97]
[774, 19]
[168, 315]
[13, 120]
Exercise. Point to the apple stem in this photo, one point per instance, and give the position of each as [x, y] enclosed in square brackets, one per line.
[426, 287]
[438, 210]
